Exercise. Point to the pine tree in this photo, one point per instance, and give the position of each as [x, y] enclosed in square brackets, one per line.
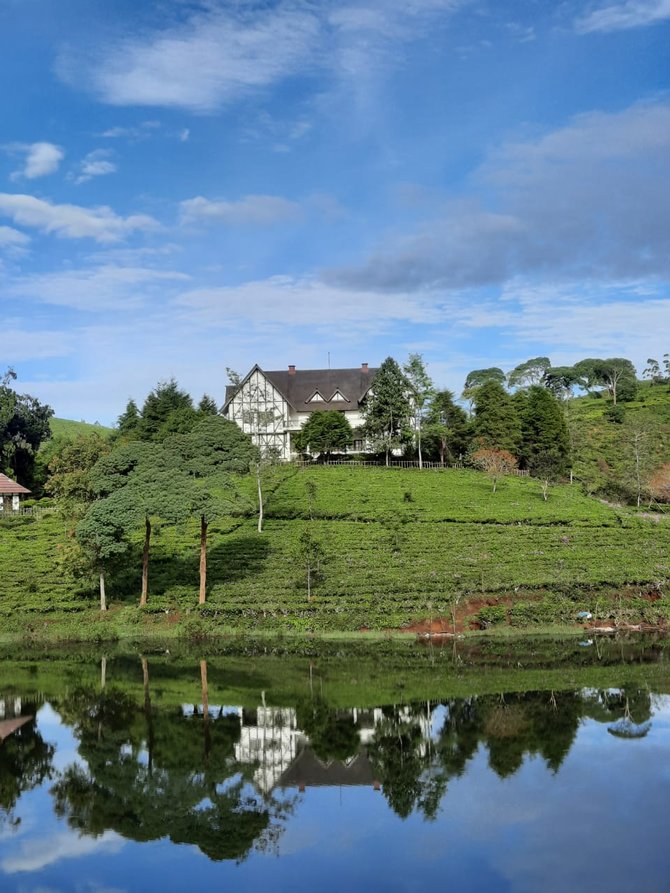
[207, 406]
[129, 420]
[545, 440]
[497, 424]
[388, 410]
[165, 400]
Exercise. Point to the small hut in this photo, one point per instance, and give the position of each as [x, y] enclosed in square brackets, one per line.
[10, 494]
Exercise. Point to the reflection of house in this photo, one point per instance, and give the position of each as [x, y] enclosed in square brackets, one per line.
[271, 406]
[10, 494]
[308, 771]
[270, 738]
[10, 717]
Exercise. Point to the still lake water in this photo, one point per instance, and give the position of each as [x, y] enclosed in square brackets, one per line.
[484, 769]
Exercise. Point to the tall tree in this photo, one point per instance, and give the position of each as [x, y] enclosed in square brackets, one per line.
[212, 454]
[532, 372]
[165, 401]
[615, 374]
[545, 442]
[147, 482]
[24, 426]
[479, 377]
[561, 380]
[129, 420]
[447, 431]
[496, 424]
[69, 473]
[207, 405]
[387, 411]
[421, 390]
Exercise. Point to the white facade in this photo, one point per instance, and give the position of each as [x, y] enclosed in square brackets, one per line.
[273, 406]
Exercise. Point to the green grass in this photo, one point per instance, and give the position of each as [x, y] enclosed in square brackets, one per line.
[398, 546]
[603, 458]
[67, 429]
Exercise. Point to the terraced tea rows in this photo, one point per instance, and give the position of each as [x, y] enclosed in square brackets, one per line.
[402, 559]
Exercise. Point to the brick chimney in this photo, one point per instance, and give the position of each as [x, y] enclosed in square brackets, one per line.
[364, 367]
[291, 370]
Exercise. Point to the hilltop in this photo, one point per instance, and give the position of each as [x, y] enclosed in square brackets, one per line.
[389, 548]
[67, 429]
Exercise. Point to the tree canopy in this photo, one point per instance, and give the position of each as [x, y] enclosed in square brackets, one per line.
[326, 431]
[388, 410]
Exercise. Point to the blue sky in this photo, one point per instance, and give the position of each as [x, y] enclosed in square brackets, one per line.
[186, 186]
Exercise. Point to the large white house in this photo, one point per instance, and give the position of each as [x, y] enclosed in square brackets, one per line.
[272, 406]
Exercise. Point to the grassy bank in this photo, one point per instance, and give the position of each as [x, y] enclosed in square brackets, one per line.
[395, 547]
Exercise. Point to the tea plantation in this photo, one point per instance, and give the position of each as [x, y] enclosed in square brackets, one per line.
[384, 548]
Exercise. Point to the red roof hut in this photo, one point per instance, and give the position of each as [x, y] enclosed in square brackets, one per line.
[10, 493]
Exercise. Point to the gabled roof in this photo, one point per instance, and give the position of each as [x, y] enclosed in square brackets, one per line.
[309, 771]
[298, 387]
[8, 487]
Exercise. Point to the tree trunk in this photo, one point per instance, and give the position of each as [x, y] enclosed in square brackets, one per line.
[103, 596]
[442, 451]
[147, 715]
[205, 708]
[418, 440]
[145, 563]
[203, 560]
[260, 498]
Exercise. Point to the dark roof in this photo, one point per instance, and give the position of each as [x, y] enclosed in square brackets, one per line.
[298, 387]
[8, 487]
[7, 726]
[308, 770]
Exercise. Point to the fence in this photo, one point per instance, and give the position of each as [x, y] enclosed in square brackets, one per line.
[31, 511]
[393, 463]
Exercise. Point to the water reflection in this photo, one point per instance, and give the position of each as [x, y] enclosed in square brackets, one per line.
[229, 779]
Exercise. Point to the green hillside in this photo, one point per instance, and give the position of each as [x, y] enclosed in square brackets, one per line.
[394, 547]
[603, 451]
[67, 429]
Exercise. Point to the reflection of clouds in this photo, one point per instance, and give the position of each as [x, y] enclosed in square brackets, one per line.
[32, 855]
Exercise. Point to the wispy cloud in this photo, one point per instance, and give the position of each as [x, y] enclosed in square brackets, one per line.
[252, 209]
[624, 15]
[35, 854]
[12, 238]
[40, 159]
[221, 53]
[95, 164]
[590, 199]
[72, 221]
[99, 288]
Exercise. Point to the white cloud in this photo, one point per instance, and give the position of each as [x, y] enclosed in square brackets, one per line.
[220, 54]
[140, 131]
[95, 164]
[204, 63]
[106, 287]
[624, 15]
[283, 300]
[37, 853]
[252, 209]
[72, 221]
[12, 238]
[40, 159]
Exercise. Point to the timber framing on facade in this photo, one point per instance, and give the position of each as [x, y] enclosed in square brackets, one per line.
[272, 406]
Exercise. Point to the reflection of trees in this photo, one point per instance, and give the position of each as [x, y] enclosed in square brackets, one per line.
[332, 734]
[628, 710]
[415, 771]
[25, 762]
[161, 772]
